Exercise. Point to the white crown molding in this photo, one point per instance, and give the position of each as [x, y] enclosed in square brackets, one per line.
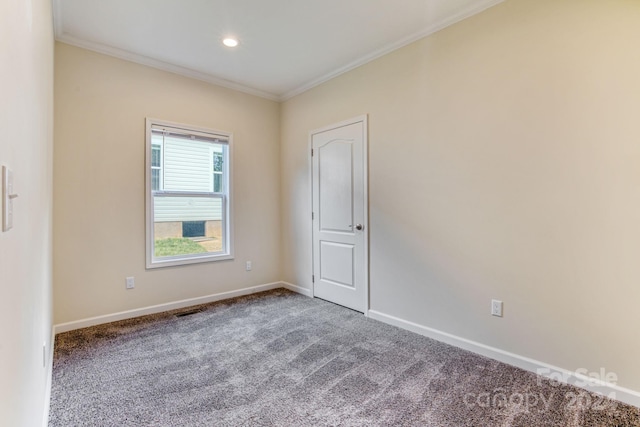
[466, 13]
[160, 65]
[57, 18]
[209, 78]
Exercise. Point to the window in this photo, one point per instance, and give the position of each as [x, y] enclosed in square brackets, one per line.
[188, 194]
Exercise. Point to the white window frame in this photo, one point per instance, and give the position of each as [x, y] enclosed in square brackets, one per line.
[226, 195]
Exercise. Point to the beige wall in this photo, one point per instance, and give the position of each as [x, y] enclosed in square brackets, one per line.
[99, 213]
[504, 163]
[26, 120]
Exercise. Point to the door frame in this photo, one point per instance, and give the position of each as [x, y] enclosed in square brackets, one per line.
[365, 170]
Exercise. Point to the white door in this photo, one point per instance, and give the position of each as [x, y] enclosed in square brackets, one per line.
[339, 215]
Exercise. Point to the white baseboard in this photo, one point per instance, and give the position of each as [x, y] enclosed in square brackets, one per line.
[295, 288]
[129, 314]
[49, 374]
[625, 395]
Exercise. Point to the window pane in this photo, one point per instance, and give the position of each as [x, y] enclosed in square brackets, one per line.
[217, 162]
[187, 225]
[217, 182]
[155, 156]
[187, 164]
[155, 179]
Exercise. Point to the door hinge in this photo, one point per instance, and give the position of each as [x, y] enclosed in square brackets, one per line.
[312, 152]
[313, 216]
[313, 279]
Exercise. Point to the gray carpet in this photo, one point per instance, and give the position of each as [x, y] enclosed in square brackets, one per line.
[279, 358]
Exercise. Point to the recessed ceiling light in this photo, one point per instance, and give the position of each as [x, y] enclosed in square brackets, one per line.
[230, 42]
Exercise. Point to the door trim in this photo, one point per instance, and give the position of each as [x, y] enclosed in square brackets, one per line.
[364, 119]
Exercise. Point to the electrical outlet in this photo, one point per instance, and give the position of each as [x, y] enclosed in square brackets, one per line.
[248, 266]
[131, 282]
[496, 307]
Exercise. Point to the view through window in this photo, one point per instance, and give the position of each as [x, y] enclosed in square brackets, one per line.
[187, 194]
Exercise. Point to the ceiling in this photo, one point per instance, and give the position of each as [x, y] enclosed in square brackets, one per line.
[286, 46]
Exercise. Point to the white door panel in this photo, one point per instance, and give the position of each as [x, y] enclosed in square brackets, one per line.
[340, 214]
[336, 263]
[336, 185]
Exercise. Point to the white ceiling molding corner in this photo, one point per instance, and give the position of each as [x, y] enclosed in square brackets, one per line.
[164, 66]
[57, 18]
[79, 29]
[486, 4]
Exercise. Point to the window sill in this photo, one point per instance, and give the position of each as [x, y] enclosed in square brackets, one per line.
[176, 261]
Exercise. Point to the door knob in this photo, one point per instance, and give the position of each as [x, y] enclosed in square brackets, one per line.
[359, 226]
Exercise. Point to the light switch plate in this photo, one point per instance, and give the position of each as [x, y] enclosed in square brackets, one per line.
[7, 199]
